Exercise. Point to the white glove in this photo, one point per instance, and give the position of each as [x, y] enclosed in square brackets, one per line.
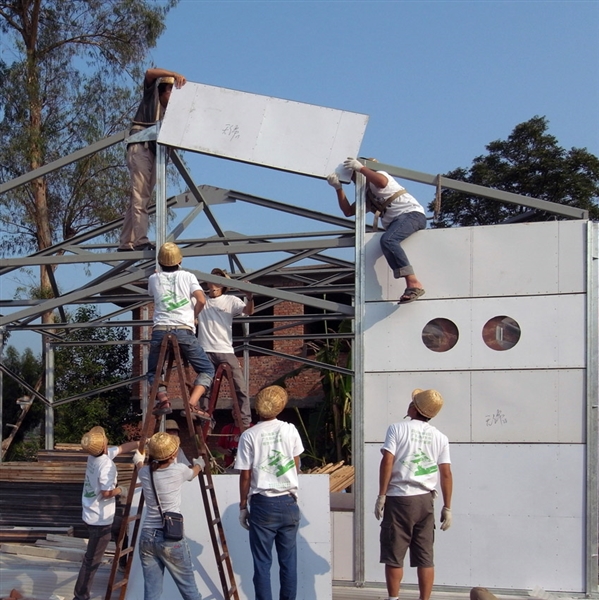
[352, 163]
[138, 457]
[124, 491]
[244, 518]
[200, 462]
[379, 507]
[445, 518]
[333, 181]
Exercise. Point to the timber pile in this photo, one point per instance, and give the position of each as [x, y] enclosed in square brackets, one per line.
[57, 547]
[341, 476]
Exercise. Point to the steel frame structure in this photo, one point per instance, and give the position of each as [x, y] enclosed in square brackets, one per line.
[119, 285]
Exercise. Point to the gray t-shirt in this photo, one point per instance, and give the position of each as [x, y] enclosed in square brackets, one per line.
[168, 484]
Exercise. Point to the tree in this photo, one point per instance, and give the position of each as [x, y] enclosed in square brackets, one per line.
[68, 85]
[82, 368]
[531, 163]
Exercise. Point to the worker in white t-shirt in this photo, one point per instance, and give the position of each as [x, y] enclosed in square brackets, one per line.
[268, 461]
[98, 502]
[401, 216]
[215, 335]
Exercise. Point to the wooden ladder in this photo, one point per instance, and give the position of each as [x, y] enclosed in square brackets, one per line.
[169, 349]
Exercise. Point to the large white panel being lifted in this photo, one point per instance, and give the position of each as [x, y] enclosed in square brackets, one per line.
[262, 130]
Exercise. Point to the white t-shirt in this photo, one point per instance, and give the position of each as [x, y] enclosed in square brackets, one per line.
[418, 448]
[168, 484]
[172, 298]
[100, 476]
[268, 449]
[215, 323]
[403, 204]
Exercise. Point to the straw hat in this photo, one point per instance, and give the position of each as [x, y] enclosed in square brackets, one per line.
[427, 402]
[221, 273]
[94, 440]
[171, 424]
[163, 446]
[169, 255]
[271, 401]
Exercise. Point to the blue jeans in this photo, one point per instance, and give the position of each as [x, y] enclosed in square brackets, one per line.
[156, 553]
[190, 349]
[274, 520]
[397, 231]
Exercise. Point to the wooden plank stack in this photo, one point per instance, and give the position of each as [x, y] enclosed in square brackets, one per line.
[341, 476]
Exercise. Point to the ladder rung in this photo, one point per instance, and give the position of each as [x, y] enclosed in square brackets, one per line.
[223, 556]
[132, 518]
[215, 521]
[119, 584]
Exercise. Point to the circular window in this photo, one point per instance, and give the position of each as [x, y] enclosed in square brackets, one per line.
[440, 335]
[501, 333]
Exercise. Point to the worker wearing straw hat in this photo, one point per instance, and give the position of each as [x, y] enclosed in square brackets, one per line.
[98, 502]
[141, 157]
[171, 426]
[415, 457]
[156, 552]
[268, 461]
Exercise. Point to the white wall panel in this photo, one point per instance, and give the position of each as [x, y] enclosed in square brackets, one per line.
[440, 257]
[518, 518]
[313, 543]
[528, 406]
[388, 395]
[572, 256]
[267, 131]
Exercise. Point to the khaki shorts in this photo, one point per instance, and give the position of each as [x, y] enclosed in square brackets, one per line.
[408, 522]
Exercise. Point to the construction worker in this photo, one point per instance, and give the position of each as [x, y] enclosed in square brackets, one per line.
[415, 454]
[174, 291]
[268, 461]
[98, 501]
[141, 157]
[215, 324]
[161, 482]
[401, 215]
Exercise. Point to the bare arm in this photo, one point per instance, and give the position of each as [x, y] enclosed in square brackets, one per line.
[111, 493]
[245, 478]
[349, 210]
[128, 447]
[153, 74]
[385, 471]
[377, 179]
[446, 483]
[200, 302]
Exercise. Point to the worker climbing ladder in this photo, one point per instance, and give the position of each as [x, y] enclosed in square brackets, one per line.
[170, 355]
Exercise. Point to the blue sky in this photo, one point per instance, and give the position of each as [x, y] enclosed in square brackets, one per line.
[439, 80]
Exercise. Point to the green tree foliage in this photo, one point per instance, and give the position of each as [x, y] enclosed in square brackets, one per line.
[68, 83]
[29, 368]
[531, 163]
[82, 368]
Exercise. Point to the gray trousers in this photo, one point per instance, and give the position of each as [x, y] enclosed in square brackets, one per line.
[99, 536]
[238, 381]
[140, 161]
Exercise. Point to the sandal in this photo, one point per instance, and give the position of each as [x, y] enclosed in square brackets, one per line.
[196, 411]
[162, 408]
[410, 294]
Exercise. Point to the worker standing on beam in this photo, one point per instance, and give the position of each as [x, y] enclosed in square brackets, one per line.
[401, 215]
[415, 454]
[141, 157]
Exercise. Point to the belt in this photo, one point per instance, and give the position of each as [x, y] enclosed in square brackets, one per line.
[171, 327]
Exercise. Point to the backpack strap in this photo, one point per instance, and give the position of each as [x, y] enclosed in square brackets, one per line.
[378, 207]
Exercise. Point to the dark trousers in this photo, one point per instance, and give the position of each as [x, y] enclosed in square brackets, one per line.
[99, 536]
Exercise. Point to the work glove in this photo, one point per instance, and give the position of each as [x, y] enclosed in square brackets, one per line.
[445, 518]
[352, 163]
[138, 457]
[244, 518]
[379, 507]
[200, 462]
[124, 491]
[333, 181]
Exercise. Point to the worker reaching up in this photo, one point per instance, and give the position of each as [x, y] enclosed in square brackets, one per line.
[174, 291]
[401, 215]
[141, 157]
